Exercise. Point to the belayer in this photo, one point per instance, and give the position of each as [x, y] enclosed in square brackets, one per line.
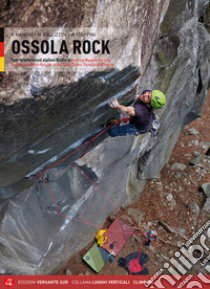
[141, 115]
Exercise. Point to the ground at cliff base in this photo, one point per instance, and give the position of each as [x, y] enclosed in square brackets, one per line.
[174, 206]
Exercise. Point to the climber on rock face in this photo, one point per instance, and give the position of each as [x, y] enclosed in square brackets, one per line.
[142, 116]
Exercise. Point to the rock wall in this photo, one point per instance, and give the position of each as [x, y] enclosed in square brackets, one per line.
[44, 221]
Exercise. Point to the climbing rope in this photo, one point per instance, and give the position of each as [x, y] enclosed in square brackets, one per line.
[98, 189]
[74, 151]
[39, 178]
[58, 210]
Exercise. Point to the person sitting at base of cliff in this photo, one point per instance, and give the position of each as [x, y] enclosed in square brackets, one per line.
[142, 117]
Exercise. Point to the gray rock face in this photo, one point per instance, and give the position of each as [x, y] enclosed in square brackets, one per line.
[44, 221]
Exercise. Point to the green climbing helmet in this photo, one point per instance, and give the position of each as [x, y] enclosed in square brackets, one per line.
[158, 99]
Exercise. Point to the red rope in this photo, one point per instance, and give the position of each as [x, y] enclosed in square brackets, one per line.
[81, 172]
[95, 186]
[58, 210]
[106, 197]
[73, 152]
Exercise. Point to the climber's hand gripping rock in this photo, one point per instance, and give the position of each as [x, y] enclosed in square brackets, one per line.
[113, 103]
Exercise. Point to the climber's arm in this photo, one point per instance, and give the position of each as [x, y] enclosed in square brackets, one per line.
[126, 109]
[113, 103]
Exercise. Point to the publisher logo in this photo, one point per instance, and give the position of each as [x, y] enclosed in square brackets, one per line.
[9, 282]
[188, 256]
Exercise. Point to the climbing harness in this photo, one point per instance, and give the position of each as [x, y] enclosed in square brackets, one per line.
[152, 128]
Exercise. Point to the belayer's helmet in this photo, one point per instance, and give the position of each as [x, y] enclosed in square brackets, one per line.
[158, 99]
